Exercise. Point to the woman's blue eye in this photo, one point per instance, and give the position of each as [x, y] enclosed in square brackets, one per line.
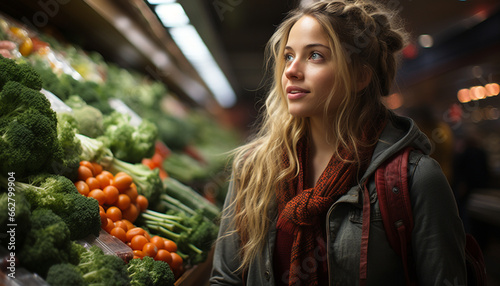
[316, 56]
[288, 57]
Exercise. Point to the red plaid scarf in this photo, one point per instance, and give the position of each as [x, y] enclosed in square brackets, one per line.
[301, 212]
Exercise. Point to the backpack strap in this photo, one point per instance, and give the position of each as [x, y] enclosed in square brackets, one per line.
[391, 181]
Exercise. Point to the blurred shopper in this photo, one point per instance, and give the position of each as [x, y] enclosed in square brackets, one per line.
[293, 213]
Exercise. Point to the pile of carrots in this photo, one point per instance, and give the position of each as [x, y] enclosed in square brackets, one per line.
[120, 204]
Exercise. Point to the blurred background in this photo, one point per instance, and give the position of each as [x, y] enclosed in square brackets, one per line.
[210, 56]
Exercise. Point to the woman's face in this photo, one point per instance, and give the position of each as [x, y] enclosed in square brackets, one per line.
[309, 72]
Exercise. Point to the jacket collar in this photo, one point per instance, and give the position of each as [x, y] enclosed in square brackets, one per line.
[399, 132]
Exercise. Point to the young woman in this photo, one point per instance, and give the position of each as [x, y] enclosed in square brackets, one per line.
[293, 212]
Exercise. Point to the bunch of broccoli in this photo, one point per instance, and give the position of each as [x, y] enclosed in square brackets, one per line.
[66, 159]
[93, 269]
[150, 272]
[47, 243]
[102, 269]
[65, 274]
[22, 73]
[29, 139]
[89, 120]
[129, 142]
[59, 194]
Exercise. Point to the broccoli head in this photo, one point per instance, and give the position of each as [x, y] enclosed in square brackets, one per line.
[83, 219]
[65, 274]
[47, 243]
[89, 119]
[59, 194]
[127, 141]
[23, 73]
[66, 159]
[103, 269]
[149, 272]
[144, 136]
[28, 130]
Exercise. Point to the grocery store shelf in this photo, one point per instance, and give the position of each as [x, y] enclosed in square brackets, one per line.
[124, 32]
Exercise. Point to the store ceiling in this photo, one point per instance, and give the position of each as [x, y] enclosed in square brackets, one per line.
[238, 30]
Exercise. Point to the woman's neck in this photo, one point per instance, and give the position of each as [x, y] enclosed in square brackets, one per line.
[318, 136]
[320, 152]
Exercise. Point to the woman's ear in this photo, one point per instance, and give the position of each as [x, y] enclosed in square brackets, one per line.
[365, 77]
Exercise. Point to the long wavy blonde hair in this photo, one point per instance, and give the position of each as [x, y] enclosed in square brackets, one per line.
[363, 41]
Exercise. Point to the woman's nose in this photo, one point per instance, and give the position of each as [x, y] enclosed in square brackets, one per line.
[293, 70]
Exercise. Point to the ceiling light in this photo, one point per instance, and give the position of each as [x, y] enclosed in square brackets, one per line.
[195, 50]
[172, 15]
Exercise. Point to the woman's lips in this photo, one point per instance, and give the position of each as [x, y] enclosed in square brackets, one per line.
[295, 92]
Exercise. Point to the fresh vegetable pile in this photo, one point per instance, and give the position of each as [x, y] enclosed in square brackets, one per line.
[29, 141]
[92, 169]
[181, 236]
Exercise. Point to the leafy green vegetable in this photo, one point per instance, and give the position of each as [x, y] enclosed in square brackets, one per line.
[89, 119]
[47, 243]
[128, 142]
[64, 86]
[101, 269]
[65, 274]
[66, 159]
[135, 90]
[189, 197]
[189, 229]
[23, 73]
[59, 194]
[149, 272]
[28, 130]
[94, 150]
[185, 168]
[51, 80]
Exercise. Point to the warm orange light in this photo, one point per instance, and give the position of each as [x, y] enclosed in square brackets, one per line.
[492, 89]
[477, 92]
[463, 95]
